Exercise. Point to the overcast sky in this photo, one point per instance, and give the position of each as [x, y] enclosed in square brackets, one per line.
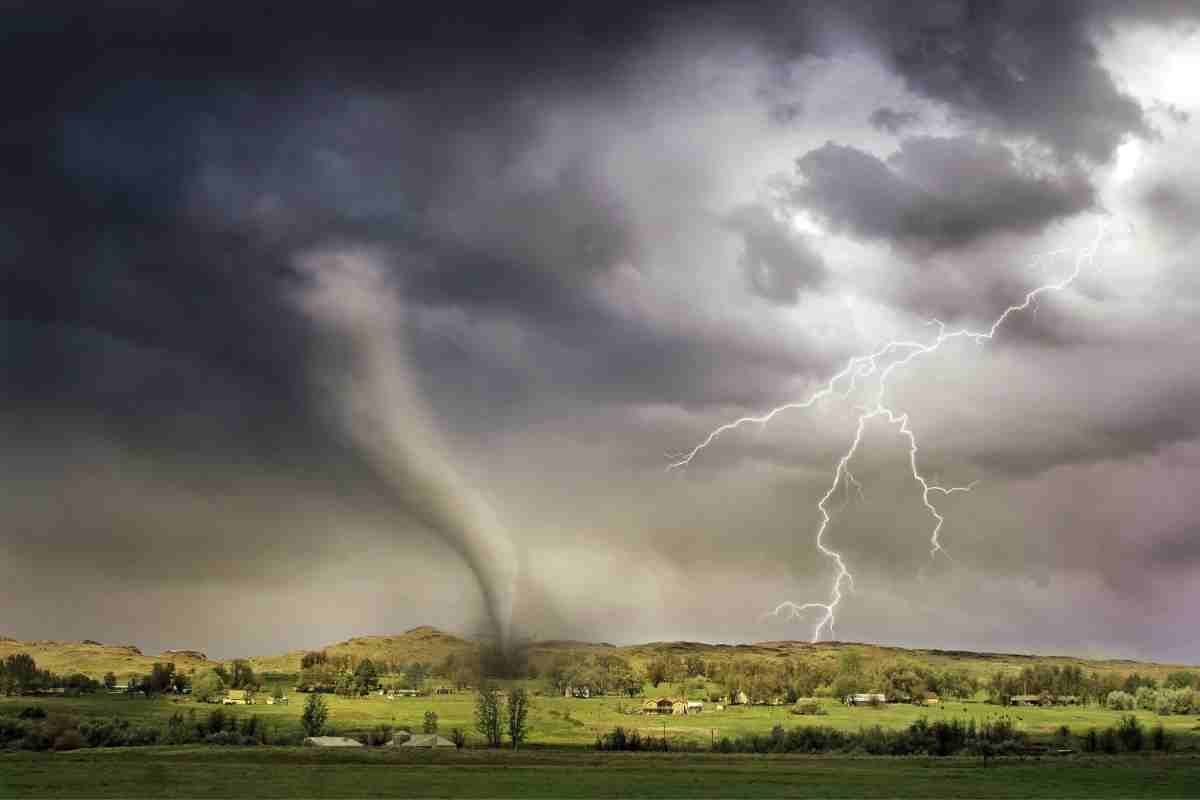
[331, 322]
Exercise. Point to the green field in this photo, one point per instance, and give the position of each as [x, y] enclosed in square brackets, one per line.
[560, 721]
[306, 772]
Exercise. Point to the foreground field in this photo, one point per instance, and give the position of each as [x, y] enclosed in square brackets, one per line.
[305, 772]
[569, 721]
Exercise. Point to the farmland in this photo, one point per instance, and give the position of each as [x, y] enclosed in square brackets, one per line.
[571, 722]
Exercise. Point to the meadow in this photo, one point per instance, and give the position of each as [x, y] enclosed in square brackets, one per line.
[575, 722]
[306, 772]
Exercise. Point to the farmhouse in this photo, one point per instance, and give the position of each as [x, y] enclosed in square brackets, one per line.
[238, 697]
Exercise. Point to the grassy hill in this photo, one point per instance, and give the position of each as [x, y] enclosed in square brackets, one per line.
[95, 659]
[430, 645]
[423, 643]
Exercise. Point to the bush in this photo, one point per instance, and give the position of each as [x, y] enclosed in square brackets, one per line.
[1159, 739]
[68, 740]
[808, 707]
[1176, 701]
[32, 712]
[1144, 698]
[1119, 701]
[1129, 731]
[459, 737]
[377, 737]
[1090, 741]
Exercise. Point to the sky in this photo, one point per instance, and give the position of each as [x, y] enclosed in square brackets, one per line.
[347, 319]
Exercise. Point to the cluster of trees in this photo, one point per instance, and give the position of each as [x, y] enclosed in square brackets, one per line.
[1120, 692]
[599, 674]
[790, 679]
[497, 715]
[1127, 736]
[34, 729]
[323, 674]
[1165, 701]
[19, 674]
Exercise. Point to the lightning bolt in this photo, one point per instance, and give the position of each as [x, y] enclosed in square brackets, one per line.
[883, 363]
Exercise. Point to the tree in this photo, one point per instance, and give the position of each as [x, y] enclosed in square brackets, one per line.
[207, 685]
[1181, 679]
[242, 675]
[366, 677]
[431, 722]
[487, 715]
[414, 675]
[160, 679]
[316, 713]
[459, 737]
[660, 670]
[110, 680]
[518, 711]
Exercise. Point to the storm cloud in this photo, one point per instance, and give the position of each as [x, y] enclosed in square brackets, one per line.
[540, 250]
[934, 193]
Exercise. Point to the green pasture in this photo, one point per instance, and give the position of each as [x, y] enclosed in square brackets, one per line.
[560, 721]
[272, 772]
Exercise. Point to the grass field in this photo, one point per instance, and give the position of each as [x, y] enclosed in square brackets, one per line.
[569, 721]
[306, 772]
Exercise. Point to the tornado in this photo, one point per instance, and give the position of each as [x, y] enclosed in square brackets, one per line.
[365, 373]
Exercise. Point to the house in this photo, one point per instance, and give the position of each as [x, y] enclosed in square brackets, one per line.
[740, 699]
[577, 691]
[431, 740]
[694, 706]
[443, 690]
[238, 697]
[931, 701]
[331, 741]
[1025, 700]
[865, 699]
[277, 701]
[663, 705]
[394, 693]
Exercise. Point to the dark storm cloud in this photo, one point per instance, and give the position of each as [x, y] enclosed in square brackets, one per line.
[1019, 67]
[777, 261]
[934, 193]
[892, 121]
[168, 165]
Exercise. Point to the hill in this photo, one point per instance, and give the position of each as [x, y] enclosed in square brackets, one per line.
[95, 659]
[423, 643]
[430, 645]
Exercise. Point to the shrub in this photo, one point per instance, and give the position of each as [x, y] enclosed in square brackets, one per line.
[1144, 698]
[32, 712]
[430, 724]
[808, 707]
[1159, 739]
[1119, 701]
[1130, 732]
[377, 737]
[68, 740]
[1090, 741]
[459, 737]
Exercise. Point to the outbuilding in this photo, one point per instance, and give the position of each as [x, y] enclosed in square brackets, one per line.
[428, 740]
[331, 741]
